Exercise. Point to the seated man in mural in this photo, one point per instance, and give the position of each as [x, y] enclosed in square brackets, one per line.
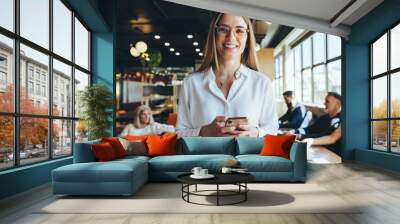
[326, 129]
[144, 124]
[295, 113]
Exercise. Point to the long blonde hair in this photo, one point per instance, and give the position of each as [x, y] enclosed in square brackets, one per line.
[136, 122]
[249, 57]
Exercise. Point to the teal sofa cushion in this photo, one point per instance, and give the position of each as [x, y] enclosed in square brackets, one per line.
[206, 145]
[249, 145]
[185, 163]
[257, 163]
[83, 153]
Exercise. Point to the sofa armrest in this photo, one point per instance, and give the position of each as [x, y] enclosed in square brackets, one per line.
[83, 152]
[298, 155]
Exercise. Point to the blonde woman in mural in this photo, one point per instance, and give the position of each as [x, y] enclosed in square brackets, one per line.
[144, 124]
[227, 84]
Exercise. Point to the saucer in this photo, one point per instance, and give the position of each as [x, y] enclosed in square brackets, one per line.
[208, 176]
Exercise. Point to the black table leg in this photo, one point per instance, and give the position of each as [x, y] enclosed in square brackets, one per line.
[217, 194]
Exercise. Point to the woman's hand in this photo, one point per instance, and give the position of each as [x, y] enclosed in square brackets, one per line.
[217, 128]
[246, 130]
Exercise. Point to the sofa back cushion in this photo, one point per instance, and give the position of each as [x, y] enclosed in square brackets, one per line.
[206, 145]
[83, 152]
[116, 146]
[248, 145]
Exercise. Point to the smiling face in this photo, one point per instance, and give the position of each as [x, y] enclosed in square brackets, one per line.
[231, 37]
[145, 117]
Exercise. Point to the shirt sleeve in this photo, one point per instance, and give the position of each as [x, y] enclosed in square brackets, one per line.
[158, 128]
[184, 125]
[268, 123]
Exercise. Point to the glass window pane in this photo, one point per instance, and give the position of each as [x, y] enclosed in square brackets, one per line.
[298, 89]
[395, 136]
[379, 135]
[33, 139]
[34, 72]
[306, 47]
[62, 89]
[6, 142]
[81, 81]
[335, 76]
[379, 56]
[35, 21]
[297, 59]
[289, 72]
[7, 14]
[62, 138]
[379, 98]
[319, 84]
[334, 46]
[6, 74]
[395, 47]
[307, 81]
[81, 45]
[319, 48]
[81, 131]
[62, 29]
[395, 95]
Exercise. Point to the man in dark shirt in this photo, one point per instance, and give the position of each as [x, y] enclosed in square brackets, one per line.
[295, 113]
[326, 129]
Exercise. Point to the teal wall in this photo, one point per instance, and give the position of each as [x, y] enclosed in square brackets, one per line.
[103, 62]
[356, 98]
[24, 178]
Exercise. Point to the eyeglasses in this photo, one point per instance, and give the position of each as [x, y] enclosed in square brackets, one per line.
[226, 30]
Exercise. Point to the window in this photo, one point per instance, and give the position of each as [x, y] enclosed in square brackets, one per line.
[7, 14]
[54, 126]
[278, 82]
[385, 96]
[313, 67]
[34, 22]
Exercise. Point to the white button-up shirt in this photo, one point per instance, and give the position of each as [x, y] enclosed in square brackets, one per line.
[250, 96]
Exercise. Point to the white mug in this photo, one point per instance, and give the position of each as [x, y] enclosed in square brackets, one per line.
[203, 172]
[196, 170]
[226, 170]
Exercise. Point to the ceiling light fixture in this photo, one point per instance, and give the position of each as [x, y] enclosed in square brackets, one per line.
[172, 49]
[134, 52]
[200, 54]
[177, 53]
[195, 43]
[157, 37]
[141, 46]
[167, 44]
[197, 49]
[189, 36]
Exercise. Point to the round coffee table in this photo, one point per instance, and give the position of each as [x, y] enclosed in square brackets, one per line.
[238, 179]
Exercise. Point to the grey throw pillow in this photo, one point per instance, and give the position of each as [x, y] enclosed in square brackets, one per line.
[137, 148]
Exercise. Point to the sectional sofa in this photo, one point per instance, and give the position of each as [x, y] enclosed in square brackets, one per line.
[125, 176]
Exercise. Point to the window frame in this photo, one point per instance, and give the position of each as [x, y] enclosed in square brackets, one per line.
[371, 77]
[15, 68]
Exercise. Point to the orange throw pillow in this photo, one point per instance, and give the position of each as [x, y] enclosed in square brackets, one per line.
[161, 145]
[103, 152]
[136, 137]
[277, 145]
[116, 145]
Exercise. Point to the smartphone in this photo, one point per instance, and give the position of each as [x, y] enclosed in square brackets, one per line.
[236, 121]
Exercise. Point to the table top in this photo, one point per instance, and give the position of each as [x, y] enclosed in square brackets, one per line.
[220, 178]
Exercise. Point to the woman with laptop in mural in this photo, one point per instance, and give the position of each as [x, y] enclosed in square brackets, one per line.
[227, 96]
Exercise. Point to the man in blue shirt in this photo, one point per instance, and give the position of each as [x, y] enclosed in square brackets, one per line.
[295, 113]
[325, 131]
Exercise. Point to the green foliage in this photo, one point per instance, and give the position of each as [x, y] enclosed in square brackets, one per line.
[155, 59]
[97, 102]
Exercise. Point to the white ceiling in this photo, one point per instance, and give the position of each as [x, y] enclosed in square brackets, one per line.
[315, 15]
